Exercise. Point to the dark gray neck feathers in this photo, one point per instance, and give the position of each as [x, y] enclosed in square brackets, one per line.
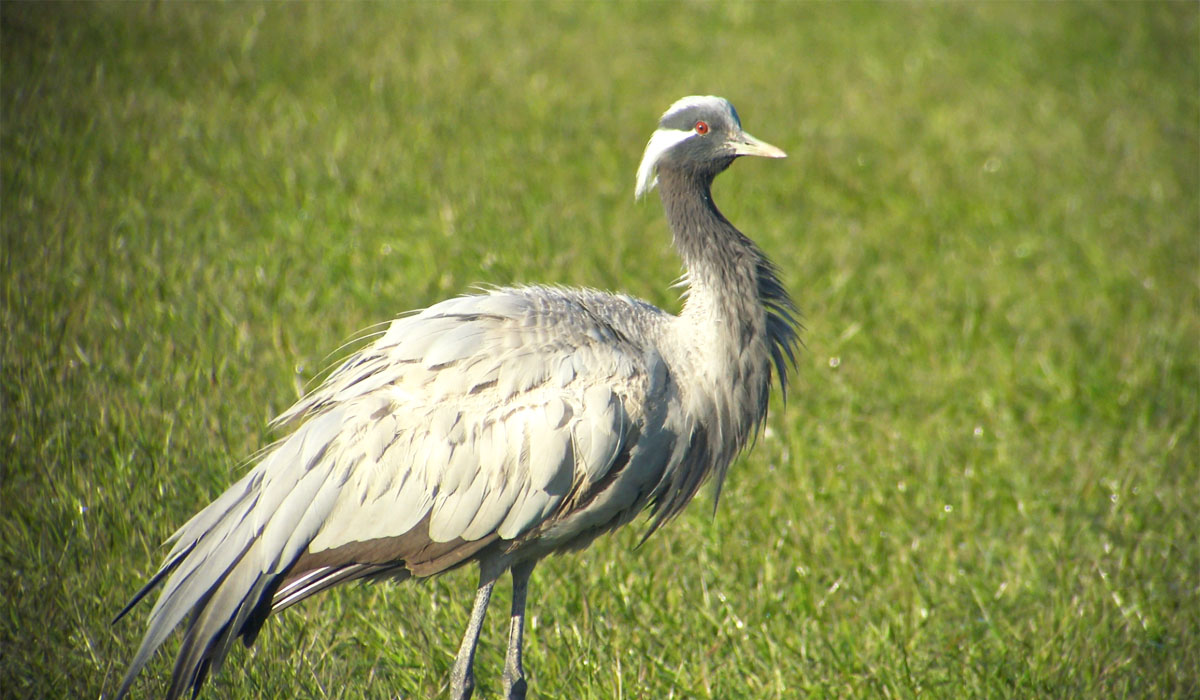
[728, 268]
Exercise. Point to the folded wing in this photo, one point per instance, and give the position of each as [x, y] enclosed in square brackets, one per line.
[482, 419]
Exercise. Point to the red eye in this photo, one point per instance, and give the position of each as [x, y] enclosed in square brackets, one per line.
[702, 128]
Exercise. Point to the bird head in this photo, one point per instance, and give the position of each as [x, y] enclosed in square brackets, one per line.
[700, 134]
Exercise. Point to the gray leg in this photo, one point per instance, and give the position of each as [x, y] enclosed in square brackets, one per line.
[462, 678]
[514, 676]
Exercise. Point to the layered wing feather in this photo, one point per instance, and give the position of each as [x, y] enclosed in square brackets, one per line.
[484, 418]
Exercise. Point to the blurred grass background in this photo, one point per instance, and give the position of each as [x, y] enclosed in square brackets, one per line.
[984, 484]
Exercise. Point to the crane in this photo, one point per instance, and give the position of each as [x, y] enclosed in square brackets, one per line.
[498, 428]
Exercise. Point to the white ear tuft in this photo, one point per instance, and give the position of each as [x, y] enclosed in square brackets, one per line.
[661, 142]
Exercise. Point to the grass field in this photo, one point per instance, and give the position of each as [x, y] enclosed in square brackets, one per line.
[985, 484]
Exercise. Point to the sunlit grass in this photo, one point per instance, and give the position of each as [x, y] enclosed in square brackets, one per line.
[983, 485]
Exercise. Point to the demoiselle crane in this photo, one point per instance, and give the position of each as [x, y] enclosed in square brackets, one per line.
[498, 428]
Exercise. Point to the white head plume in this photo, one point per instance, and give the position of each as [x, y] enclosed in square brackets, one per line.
[662, 141]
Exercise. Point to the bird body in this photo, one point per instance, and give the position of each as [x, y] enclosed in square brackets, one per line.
[497, 428]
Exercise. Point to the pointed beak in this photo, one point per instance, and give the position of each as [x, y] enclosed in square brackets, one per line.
[746, 145]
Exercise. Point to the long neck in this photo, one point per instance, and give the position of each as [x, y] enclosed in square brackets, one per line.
[722, 264]
[738, 319]
[730, 281]
[736, 322]
[737, 326]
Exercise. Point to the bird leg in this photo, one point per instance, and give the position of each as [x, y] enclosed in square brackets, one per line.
[462, 678]
[514, 675]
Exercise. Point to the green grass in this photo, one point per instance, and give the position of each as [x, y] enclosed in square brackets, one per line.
[984, 485]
